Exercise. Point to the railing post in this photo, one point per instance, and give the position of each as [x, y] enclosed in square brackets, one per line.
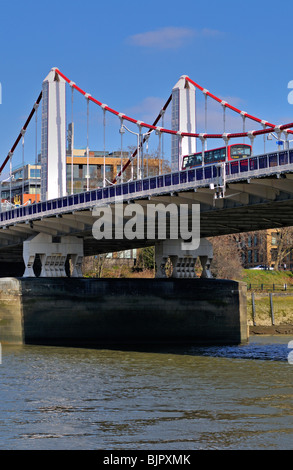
[272, 309]
[253, 308]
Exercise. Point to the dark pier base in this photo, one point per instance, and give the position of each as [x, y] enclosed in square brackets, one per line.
[121, 312]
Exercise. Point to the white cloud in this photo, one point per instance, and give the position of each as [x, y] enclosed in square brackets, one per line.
[169, 37]
[147, 110]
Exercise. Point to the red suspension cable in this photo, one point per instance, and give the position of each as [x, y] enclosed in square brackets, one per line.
[233, 108]
[272, 127]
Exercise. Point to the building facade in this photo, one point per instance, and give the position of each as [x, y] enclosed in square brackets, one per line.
[272, 249]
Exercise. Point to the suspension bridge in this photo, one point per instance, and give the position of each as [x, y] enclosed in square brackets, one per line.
[253, 192]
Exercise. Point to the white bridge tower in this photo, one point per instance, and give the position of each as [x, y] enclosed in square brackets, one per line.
[53, 153]
[183, 119]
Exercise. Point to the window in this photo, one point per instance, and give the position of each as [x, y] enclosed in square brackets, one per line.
[217, 155]
[274, 254]
[18, 174]
[35, 173]
[249, 256]
[191, 160]
[274, 239]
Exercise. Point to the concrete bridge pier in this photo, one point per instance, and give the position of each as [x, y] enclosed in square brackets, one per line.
[183, 260]
[53, 253]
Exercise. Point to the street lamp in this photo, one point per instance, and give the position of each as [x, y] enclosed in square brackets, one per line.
[280, 141]
[140, 139]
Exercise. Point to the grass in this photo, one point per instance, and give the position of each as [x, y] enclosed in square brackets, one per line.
[267, 278]
[282, 305]
[262, 282]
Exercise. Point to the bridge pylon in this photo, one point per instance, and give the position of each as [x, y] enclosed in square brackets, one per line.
[53, 147]
[183, 120]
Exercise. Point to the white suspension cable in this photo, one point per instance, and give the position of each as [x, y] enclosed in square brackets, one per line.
[122, 131]
[104, 124]
[22, 201]
[71, 140]
[36, 142]
[264, 140]
[243, 118]
[159, 150]
[206, 116]
[141, 155]
[147, 152]
[226, 140]
[163, 137]
[10, 176]
[202, 138]
[87, 145]
[206, 113]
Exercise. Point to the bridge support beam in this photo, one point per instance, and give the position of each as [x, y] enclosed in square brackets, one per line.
[183, 261]
[53, 253]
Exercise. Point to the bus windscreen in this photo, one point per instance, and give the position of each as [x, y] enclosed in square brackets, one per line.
[238, 151]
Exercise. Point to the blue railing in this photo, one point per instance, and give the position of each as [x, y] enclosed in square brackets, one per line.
[260, 162]
[202, 175]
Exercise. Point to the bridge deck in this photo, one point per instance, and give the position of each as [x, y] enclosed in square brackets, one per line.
[258, 195]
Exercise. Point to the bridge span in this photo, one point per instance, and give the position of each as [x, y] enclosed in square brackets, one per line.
[248, 193]
[254, 195]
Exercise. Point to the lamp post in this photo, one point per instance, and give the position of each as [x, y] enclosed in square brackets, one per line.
[140, 139]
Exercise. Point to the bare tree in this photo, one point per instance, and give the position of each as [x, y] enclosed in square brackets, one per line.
[282, 246]
[94, 265]
[226, 262]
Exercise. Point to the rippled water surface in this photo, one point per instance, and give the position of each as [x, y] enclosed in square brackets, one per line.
[238, 397]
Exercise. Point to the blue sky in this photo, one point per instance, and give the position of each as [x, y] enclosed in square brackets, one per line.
[130, 54]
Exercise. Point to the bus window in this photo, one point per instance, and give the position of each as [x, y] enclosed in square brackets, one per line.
[223, 154]
[197, 159]
[208, 157]
[191, 160]
[217, 155]
[184, 162]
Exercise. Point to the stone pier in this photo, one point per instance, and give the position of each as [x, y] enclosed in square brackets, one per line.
[110, 312]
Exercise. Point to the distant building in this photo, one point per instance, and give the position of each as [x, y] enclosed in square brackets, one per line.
[261, 248]
[94, 165]
[25, 180]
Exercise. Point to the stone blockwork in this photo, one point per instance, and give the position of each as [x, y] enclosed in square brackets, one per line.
[105, 312]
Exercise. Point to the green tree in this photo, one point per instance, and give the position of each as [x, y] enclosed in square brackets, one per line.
[146, 257]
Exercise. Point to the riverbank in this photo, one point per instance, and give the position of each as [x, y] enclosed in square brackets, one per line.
[271, 330]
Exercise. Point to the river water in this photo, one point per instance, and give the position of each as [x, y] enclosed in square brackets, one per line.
[238, 397]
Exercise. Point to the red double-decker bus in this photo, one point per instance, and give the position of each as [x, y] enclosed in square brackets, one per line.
[235, 152]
